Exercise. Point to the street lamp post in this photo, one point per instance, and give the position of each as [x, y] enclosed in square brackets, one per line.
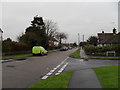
[1, 38]
[1, 58]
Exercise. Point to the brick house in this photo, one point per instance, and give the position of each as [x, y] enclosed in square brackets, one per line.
[107, 39]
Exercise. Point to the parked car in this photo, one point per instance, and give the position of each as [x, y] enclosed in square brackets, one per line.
[39, 50]
[63, 48]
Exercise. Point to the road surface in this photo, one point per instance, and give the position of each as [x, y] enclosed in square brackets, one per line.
[23, 73]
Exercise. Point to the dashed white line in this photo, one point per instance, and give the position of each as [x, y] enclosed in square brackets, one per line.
[58, 66]
[45, 77]
[57, 73]
[64, 61]
[62, 68]
[54, 68]
[51, 72]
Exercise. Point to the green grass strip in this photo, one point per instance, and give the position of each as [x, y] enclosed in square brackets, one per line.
[58, 81]
[75, 54]
[104, 57]
[108, 76]
[23, 55]
[51, 51]
[17, 56]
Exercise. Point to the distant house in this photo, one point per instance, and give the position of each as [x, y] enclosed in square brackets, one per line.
[107, 39]
[53, 42]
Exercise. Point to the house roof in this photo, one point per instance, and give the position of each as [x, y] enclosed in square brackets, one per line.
[109, 38]
[115, 39]
[104, 36]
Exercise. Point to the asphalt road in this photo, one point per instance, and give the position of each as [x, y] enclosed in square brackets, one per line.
[23, 73]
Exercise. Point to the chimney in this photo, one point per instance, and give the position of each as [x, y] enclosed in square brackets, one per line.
[114, 31]
[102, 31]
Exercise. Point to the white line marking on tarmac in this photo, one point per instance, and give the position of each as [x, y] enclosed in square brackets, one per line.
[57, 73]
[58, 66]
[62, 68]
[45, 77]
[49, 73]
[81, 60]
[7, 60]
[52, 71]
[64, 60]
[54, 68]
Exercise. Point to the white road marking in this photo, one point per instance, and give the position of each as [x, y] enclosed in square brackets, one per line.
[45, 77]
[6, 60]
[58, 66]
[81, 60]
[57, 73]
[49, 73]
[54, 68]
[52, 71]
[64, 60]
[62, 68]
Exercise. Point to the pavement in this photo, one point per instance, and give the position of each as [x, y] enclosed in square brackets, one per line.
[82, 54]
[84, 76]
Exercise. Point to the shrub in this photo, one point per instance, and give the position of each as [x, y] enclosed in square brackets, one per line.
[95, 49]
[11, 46]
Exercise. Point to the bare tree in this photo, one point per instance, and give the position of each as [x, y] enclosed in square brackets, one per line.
[61, 36]
[51, 28]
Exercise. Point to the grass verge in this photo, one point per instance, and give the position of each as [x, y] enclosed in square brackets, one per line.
[75, 54]
[24, 55]
[17, 56]
[51, 51]
[108, 76]
[58, 81]
[114, 58]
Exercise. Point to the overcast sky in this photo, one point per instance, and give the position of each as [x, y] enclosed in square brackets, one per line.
[86, 18]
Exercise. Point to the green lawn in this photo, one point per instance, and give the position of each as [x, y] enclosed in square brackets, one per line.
[75, 54]
[115, 58]
[108, 76]
[51, 51]
[17, 56]
[23, 55]
[58, 81]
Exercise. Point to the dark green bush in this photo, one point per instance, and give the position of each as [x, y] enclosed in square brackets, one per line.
[95, 49]
[11, 46]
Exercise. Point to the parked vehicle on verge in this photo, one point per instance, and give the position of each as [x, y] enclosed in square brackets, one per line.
[39, 50]
[64, 48]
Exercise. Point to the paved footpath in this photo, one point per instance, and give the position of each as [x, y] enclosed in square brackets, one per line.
[84, 76]
[82, 54]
